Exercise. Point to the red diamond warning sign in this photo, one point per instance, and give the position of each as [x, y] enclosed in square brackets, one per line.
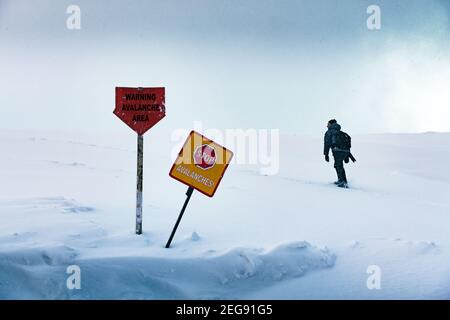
[140, 108]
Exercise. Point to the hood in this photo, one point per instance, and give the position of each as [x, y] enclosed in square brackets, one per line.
[335, 126]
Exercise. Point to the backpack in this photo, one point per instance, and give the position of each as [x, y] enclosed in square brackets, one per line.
[343, 140]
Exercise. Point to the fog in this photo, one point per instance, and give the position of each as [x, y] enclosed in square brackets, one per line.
[230, 64]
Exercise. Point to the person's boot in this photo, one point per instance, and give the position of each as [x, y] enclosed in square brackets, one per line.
[342, 184]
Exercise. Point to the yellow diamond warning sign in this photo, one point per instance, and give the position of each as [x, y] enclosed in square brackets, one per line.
[201, 163]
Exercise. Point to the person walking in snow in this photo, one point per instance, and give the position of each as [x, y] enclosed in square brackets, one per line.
[340, 143]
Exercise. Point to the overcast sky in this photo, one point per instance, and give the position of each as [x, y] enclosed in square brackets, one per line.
[291, 64]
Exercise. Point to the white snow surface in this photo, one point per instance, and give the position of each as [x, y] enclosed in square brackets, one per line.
[69, 199]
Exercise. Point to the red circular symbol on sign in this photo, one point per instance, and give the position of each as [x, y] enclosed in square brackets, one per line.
[204, 157]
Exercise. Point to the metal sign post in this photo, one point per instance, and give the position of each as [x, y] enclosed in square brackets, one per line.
[139, 183]
[189, 192]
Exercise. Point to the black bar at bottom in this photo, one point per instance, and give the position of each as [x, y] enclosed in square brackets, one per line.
[229, 309]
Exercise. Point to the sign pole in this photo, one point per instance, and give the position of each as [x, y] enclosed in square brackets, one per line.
[139, 184]
[140, 109]
[189, 192]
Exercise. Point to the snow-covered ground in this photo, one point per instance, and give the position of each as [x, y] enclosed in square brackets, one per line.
[68, 199]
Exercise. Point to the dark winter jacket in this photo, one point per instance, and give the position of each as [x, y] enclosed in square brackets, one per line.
[329, 140]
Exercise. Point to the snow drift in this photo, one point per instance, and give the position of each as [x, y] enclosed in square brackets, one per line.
[39, 273]
[68, 199]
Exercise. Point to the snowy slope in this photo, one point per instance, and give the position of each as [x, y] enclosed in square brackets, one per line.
[68, 198]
